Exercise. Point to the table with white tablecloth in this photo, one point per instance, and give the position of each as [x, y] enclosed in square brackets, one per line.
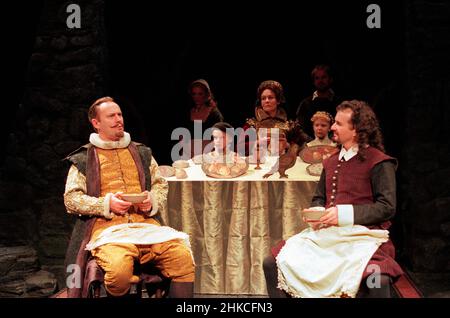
[232, 223]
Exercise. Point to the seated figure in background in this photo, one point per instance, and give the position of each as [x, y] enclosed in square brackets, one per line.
[270, 114]
[222, 160]
[322, 122]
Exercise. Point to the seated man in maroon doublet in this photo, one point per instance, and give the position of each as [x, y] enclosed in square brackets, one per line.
[357, 187]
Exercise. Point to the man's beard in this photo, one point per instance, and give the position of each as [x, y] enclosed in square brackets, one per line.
[119, 134]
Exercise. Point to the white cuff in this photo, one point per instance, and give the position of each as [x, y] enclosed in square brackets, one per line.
[106, 211]
[154, 201]
[345, 214]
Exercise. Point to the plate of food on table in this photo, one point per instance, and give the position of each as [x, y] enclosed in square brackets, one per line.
[224, 166]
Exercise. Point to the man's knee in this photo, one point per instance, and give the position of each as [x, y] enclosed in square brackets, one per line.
[187, 268]
[178, 264]
[117, 261]
[117, 280]
[180, 254]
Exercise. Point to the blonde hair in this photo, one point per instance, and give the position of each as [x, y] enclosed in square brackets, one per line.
[323, 115]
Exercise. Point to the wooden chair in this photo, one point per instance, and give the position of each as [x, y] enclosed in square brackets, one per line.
[156, 285]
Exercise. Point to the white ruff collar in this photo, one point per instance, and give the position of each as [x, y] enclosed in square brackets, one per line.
[121, 143]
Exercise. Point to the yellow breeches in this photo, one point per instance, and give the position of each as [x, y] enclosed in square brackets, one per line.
[172, 258]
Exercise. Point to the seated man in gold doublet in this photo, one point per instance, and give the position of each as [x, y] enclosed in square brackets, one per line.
[118, 233]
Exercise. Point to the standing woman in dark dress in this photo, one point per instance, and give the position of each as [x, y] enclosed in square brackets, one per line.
[203, 109]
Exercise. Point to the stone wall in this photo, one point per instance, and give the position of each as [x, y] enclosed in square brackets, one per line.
[66, 73]
[21, 274]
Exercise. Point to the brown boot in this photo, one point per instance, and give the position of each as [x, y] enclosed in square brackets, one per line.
[181, 290]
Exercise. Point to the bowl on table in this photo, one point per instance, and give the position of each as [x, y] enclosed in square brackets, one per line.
[166, 171]
[315, 169]
[180, 164]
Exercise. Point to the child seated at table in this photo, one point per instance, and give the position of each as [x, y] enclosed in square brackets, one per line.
[222, 160]
[322, 122]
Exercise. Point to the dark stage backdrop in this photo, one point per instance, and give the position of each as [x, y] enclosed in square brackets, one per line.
[145, 54]
[156, 50]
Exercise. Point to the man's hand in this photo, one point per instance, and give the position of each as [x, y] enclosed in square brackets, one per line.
[327, 220]
[146, 205]
[331, 217]
[117, 205]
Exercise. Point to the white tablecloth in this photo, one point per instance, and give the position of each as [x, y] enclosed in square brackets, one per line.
[296, 173]
[233, 223]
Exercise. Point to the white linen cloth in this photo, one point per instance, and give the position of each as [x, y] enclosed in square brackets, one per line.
[328, 262]
[296, 173]
[138, 233]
